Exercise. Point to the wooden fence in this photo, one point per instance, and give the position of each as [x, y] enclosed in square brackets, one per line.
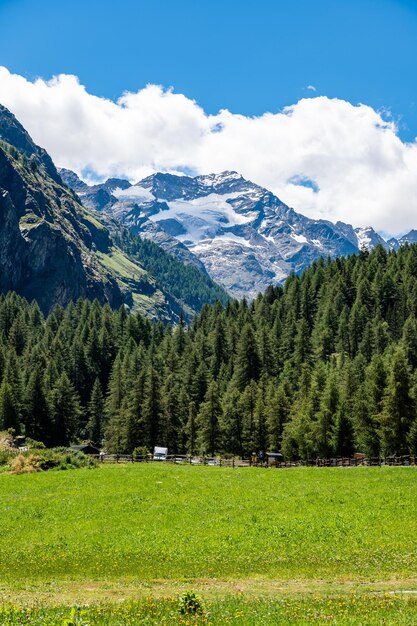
[235, 463]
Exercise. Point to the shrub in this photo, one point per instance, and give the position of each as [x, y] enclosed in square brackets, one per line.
[35, 445]
[7, 451]
[141, 451]
[190, 604]
[24, 464]
[47, 459]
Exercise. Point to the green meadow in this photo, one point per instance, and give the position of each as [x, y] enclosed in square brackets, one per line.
[258, 546]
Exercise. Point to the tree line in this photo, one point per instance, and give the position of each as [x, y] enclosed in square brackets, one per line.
[324, 365]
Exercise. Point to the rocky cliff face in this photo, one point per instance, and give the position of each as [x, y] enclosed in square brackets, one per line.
[46, 244]
[53, 249]
[241, 233]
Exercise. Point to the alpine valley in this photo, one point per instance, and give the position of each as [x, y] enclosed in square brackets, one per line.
[163, 247]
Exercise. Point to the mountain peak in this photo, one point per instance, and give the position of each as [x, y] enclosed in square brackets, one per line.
[410, 237]
[72, 179]
[220, 177]
[12, 131]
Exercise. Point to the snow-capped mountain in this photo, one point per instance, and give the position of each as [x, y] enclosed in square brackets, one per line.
[239, 232]
[368, 238]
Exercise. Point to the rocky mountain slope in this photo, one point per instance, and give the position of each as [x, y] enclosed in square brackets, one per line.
[53, 249]
[241, 233]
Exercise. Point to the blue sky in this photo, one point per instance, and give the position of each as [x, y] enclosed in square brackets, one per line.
[249, 57]
[315, 100]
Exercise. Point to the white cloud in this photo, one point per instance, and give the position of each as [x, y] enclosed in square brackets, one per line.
[311, 87]
[325, 157]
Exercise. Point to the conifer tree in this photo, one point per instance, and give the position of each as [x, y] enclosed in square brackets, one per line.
[398, 407]
[260, 417]
[137, 431]
[329, 405]
[96, 414]
[190, 430]
[208, 421]
[219, 347]
[412, 438]
[232, 423]
[9, 415]
[343, 439]
[247, 405]
[277, 414]
[409, 341]
[152, 411]
[65, 411]
[302, 346]
[247, 362]
[38, 422]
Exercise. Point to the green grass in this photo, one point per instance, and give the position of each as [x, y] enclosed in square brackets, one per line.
[119, 263]
[305, 536]
[352, 611]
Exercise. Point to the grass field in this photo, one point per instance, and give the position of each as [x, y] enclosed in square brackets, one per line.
[259, 546]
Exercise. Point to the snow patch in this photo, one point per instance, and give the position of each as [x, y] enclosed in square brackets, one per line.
[211, 179]
[363, 236]
[203, 217]
[299, 238]
[133, 193]
[225, 239]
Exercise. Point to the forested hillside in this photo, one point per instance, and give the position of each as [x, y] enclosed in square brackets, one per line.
[188, 284]
[325, 365]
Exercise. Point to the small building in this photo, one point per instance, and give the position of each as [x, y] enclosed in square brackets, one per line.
[274, 458]
[160, 454]
[87, 448]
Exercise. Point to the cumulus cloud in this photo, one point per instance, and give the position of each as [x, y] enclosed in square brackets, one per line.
[325, 157]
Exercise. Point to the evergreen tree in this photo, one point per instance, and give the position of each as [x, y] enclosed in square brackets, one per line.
[9, 415]
[65, 411]
[260, 416]
[190, 430]
[137, 431]
[277, 413]
[38, 422]
[247, 362]
[343, 439]
[398, 407]
[326, 416]
[152, 410]
[96, 414]
[208, 421]
[246, 406]
[302, 347]
[409, 341]
[232, 423]
[412, 438]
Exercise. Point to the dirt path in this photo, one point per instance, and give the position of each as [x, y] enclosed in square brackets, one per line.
[96, 592]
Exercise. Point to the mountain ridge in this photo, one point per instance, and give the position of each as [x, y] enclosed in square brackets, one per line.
[244, 236]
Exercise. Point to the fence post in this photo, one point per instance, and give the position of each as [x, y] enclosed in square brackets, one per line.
[233, 462]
